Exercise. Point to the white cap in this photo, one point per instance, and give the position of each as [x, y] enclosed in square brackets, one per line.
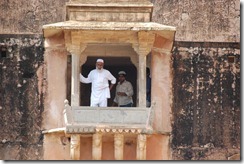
[122, 72]
[100, 60]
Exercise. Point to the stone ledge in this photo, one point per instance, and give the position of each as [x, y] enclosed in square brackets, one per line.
[109, 3]
[55, 130]
[120, 26]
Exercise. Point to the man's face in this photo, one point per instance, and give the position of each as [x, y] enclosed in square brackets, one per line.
[99, 65]
[121, 78]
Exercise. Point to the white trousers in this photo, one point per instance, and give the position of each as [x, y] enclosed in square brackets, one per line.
[103, 103]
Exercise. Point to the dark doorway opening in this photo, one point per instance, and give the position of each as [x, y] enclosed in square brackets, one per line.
[114, 65]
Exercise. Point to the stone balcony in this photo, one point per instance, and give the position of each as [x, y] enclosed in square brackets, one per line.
[85, 119]
[110, 26]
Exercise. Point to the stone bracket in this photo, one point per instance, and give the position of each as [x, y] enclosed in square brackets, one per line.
[145, 43]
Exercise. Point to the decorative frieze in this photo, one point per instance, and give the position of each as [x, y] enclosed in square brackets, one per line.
[93, 129]
[119, 130]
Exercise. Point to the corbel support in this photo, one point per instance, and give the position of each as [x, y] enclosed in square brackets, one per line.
[141, 147]
[97, 146]
[118, 146]
[145, 42]
[75, 147]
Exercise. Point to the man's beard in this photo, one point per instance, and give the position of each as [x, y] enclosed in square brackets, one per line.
[99, 70]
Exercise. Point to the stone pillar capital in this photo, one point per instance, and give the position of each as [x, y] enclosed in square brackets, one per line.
[145, 43]
[142, 50]
[75, 49]
[74, 46]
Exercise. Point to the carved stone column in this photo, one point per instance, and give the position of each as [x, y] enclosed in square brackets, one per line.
[142, 79]
[75, 51]
[97, 146]
[75, 87]
[141, 147]
[75, 147]
[119, 146]
[143, 48]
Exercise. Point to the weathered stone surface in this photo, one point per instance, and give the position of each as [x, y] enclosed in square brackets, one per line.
[206, 103]
[56, 141]
[114, 11]
[18, 17]
[194, 20]
[21, 98]
[213, 21]
[205, 153]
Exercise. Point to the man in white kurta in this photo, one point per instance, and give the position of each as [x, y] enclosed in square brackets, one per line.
[100, 91]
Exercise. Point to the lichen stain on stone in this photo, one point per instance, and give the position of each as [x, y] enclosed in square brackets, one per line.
[206, 102]
[21, 113]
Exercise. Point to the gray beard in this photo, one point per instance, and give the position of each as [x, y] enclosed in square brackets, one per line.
[99, 70]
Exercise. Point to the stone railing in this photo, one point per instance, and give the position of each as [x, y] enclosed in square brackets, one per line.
[85, 119]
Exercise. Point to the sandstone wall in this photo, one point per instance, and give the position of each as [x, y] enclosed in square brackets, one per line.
[206, 86]
[195, 20]
[28, 17]
[21, 71]
[206, 103]
[21, 100]
[200, 21]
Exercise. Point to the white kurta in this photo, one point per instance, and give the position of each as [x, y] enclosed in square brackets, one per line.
[127, 88]
[100, 84]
